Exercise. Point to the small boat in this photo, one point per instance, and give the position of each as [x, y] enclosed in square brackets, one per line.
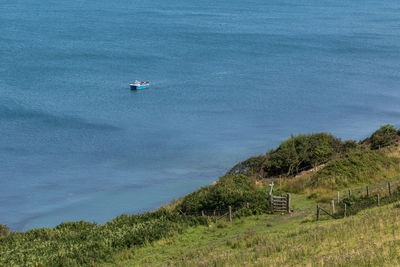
[139, 85]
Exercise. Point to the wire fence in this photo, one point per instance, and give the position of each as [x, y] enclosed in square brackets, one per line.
[217, 213]
[351, 203]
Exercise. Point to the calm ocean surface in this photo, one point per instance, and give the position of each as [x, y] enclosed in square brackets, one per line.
[229, 79]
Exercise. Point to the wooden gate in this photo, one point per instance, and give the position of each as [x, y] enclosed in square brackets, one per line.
[280, 203]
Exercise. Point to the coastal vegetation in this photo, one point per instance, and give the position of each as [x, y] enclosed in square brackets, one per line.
[355, 168]
[311, 167]
[83, 244]
[4, 231]
[385, 136]
[304, 152]
[369, 238]
[235, 190]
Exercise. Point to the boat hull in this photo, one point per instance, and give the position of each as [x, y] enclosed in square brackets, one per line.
[139, 87]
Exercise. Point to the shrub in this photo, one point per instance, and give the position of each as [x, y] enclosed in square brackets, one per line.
[301, 152]
[231, 190]
[349, 146]
[384, 136]
[249, 167]
[4, 231]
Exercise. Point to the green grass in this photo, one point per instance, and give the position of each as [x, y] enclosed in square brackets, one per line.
[370, 238]
[196, 239]
[87, 244]
[354, 171]
[356, 168]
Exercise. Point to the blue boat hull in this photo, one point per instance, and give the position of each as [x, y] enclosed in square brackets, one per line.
[139, 87]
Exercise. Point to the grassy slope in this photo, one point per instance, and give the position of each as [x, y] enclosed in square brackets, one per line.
[375, 167]
[263, 240]
[370, 238]
[196, 239]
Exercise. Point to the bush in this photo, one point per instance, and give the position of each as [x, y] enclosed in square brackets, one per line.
[4, 231]
[301, 152]
[250, 167]
[231, 190]
[384, 136]
[349, 146]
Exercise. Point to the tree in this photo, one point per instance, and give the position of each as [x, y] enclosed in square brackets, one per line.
[321, 148]
[384, 136]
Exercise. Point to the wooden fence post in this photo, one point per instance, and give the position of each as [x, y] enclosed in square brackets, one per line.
[349, 193]
[214, 213]
[345, 209]
[247, 204]
[317, 212]
[390, 191]
[288, 203]
[338, 197]
[379, 201]
[367, 191]
[202, 213]
[333, 206]
[230, 213]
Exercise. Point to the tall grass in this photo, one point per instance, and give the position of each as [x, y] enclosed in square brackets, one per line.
[87, 244]
[368, 239]
[354, 168]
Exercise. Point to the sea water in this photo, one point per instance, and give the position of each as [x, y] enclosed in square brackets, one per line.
[229, 79]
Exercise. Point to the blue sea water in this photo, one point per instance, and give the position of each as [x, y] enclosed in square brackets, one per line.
[229, 79]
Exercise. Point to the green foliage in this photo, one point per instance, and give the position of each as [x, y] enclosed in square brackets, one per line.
[348, 146]
[312, 196]
[231, 190]
[82, 243]
[354, 168]
[301, 152]
[249, 167]
[4, 231]
[384, 136]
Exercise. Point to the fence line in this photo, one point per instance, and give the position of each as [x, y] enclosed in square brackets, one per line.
[217, 214]
[368, 201]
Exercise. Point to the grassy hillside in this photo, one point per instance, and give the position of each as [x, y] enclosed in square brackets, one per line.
[313, 167]
[352, 169]
[370, 238]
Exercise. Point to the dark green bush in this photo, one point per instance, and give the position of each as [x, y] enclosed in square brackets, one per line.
[349, 146]
[384, 136]
[250, 167]
[233, 190]
[4, 231]
[301, 152]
